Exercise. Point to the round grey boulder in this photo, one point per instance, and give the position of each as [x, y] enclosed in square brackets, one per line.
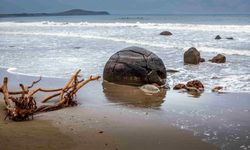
[135, 66]
[192, 56]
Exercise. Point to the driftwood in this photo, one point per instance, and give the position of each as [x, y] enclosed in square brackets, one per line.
[23, 106]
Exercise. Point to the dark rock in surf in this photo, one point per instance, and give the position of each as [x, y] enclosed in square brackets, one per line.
[218, 37]
[194, 87]
[135, 66]
[172, 71]
[179, 86]
[192, 56]
[166, 33]
[229, 38]
[219, 59]
[217, 89]
[202, 60]
[195, 84]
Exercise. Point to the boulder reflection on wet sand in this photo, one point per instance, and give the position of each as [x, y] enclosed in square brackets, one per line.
[132, 95]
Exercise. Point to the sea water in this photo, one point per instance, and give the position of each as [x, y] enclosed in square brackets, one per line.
[57, 46]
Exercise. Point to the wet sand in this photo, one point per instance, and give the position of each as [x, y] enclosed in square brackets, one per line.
[95, 128]
[37, 134]
[103, 120]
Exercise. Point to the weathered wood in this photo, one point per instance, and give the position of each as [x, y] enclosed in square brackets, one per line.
[43, 90]
[24, 106]
[34, 82]
[23, 89]
[5, 91]
[91, 78]
[50, 97]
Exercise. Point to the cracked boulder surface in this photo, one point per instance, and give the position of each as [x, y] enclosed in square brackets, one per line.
[135, 66]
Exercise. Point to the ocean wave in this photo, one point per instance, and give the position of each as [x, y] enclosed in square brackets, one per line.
[230, 82]
[13, 70]
[94, 37]
[225, 51]
[159, 26]
[174, 46]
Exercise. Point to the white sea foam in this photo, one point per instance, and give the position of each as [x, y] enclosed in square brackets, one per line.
[225, 51]
[159, 26]
[138, 42]
[11, 69]
[52, 44]
[17, 72]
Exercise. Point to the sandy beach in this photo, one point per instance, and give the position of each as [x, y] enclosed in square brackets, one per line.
[107, 118]
[124, 75]
[96, 124]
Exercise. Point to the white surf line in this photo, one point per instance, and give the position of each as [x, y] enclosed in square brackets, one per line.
[225, 51]
[159, 26]
[94, 37]
[13, 70]
[202, 49]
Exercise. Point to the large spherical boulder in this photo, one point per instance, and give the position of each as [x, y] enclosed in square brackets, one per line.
[135, 66]
[192, 56]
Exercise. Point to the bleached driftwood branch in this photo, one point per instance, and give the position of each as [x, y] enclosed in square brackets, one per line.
[22, 106]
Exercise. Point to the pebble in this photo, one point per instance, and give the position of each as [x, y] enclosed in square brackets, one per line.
[101, 132]
[149, 88]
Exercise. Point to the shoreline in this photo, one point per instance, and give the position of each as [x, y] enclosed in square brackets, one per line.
[94, 130]
[5, 71]
[94, 127]
[105, 119]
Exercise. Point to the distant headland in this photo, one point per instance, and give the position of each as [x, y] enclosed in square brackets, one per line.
[72, 12]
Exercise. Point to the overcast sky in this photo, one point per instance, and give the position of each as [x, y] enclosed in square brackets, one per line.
[130, 6]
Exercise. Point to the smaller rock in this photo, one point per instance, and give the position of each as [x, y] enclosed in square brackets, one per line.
[164, 86]
[217, 89]
[195, 84]
[192, 56]
[172, 71]
[214, 78]
[150, 88]
[193, 90]
[219, 59]
[229, 38]
[179, 86]
[166, 33]
[202, 60]
[100, 132]
[77, 47]
[218, 37]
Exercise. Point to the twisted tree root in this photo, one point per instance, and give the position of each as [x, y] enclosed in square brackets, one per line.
[24, 106]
